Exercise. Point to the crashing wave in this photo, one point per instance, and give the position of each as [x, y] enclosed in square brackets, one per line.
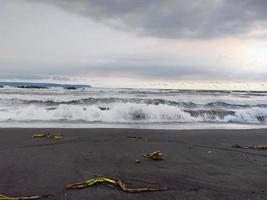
[131, 113]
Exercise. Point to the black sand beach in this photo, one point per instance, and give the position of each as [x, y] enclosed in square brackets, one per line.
[199, 164]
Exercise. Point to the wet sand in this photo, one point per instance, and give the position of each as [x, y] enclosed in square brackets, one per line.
[199, 164]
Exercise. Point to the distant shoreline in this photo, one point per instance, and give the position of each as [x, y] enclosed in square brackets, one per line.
[32, 85]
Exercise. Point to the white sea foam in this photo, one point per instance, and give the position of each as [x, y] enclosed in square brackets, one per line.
[131, 106]
[129, 113]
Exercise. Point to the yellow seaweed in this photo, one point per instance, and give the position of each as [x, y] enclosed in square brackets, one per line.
[156, 155]
[112, 183]
[48, 135]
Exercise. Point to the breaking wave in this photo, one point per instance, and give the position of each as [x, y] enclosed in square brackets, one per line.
[132, 113]
[132, 106]
[147, 101]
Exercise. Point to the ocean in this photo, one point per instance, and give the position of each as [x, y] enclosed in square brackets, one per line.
[132, 108]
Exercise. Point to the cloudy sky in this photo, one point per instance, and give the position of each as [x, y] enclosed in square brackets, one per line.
[136, 43]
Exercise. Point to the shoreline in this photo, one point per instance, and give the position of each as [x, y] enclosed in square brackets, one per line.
[137, 126]
[137, 129]
[198, 164]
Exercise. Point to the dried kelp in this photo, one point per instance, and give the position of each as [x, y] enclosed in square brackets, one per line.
[90, 182]
[48, 135]
[3, 197]
[124, 187]
[256, 147]
[112, 183]
[156, 155]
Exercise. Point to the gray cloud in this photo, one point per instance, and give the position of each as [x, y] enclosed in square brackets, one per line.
[57, 40]
[160, 72]
[173, 18]
[176, 73]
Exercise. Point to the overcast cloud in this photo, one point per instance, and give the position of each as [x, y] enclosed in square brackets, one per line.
[141, 40]
[173, 18]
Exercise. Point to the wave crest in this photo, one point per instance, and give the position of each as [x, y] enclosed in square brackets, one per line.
[131, 113]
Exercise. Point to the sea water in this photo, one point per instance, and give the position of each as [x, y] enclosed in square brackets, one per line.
[132, 108]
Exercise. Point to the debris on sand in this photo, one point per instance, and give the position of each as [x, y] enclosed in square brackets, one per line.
[124, 187]
[256, 147]
[135, 137]
[3, 197]
[113, 183]
[156, 155]
[48, 135]
[137, 161]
